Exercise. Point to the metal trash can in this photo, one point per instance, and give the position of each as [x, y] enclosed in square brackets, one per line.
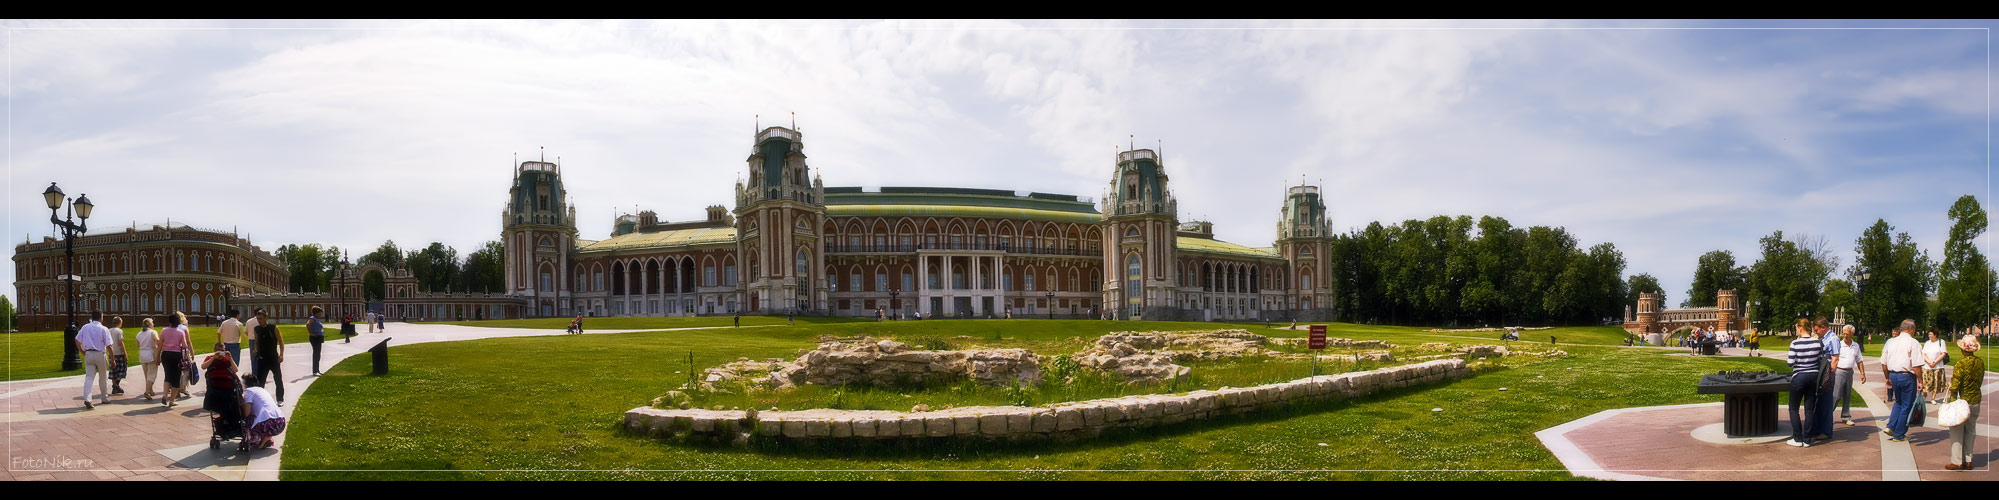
[381, 353]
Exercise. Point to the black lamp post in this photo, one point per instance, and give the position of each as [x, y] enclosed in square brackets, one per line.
[1051, 304]
[893, 304]
[72, 224]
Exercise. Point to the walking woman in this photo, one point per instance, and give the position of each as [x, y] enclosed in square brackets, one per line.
[149, 354]
[117, 367]
[1966, 381]
[173, 354]
[270, 355]
[1806, 351]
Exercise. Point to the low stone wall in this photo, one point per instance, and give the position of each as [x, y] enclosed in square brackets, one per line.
[1063, 420]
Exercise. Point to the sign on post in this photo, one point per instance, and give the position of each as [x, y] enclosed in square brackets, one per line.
[1318, 337]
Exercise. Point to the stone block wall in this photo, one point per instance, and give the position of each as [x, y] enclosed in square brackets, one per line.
[1062, 420]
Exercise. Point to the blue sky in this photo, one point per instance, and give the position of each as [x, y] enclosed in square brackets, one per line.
[1667, 141]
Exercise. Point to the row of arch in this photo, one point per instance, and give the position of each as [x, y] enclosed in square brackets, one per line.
[857, 233]
[1240, 277]
[45, 301]
[148, 261]
[655, 274]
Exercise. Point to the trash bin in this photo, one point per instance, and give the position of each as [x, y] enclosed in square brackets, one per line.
[381, 353]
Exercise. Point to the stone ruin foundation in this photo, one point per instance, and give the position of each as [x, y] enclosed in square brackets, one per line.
[1016, 423]
[881, 363]
[1153, 357]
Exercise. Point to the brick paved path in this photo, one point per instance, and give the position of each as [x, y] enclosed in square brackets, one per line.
[51, 437]
[1657, 443]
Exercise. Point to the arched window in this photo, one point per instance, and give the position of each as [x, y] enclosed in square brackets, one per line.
[1133, 290]
[801, 262]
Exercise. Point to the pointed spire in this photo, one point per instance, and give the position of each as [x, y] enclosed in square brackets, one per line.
[544, 154]
[794, 121]
[759, 120]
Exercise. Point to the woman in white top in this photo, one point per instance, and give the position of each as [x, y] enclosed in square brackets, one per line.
[149, 354]
[1933, 373]
[266, 421]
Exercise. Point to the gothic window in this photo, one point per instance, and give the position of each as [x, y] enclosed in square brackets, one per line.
[708, 275]
[1131, 232]
[800, 262]
[729, 274]
[547, 281]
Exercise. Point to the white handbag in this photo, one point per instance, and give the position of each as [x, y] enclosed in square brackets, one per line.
[1953, 413]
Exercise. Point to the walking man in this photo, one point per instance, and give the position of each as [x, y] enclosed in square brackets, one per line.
[250, 333]
[315, 333]
[93, 340]
[1901, 363]
[232, 336]
[1804, 361]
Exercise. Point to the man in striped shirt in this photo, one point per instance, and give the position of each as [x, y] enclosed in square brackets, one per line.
[1804, 361]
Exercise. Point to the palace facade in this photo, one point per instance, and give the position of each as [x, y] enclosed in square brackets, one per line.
[139, 272]
[791, 244]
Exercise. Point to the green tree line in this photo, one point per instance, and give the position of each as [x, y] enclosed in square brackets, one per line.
[437, 268]
[1452, 271]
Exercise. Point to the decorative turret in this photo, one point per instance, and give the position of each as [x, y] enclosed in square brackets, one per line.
[780, 193]
[1304, 214]
[1141, 224]
[538, 229]
[1304, 238]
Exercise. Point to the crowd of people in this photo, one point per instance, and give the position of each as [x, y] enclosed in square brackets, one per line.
[170, 352]
[1919, 373]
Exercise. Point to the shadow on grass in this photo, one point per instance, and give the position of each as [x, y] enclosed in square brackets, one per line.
[931, 448]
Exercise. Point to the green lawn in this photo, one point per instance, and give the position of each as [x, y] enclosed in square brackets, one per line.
[33, 355]
[551, 408]
[645, 323]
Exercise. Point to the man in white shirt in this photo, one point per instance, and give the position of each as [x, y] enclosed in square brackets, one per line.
[93, 340]
[371, 321]
[1901, 364]
[1845, 366]
[232, 336]
[250, 333]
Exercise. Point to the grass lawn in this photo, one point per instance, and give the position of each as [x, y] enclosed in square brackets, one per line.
[33, 355]
[505, 408]
[645, 323]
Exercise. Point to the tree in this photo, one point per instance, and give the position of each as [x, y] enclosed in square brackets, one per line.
[307, 265]
[1641, 283]
[1892, 278]
[1714, 272]
[387, 255]
[1838, 293]
[7, 319]
[435, 267]
[485, 269]
[1785, 282]
[1964, 281]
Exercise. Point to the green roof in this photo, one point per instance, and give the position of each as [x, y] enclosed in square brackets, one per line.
[661, 239]
[959, 211]
[1204, 245]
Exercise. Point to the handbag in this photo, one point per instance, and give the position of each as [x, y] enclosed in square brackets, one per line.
[187, 367]
[1953, 413]
[1918, 412]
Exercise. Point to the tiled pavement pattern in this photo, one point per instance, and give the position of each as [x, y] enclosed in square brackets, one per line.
[1657, 443]
[51, 437]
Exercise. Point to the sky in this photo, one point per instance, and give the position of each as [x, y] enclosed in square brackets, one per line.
[1667, 138]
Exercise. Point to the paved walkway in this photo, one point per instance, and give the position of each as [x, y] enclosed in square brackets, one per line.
[51, 437]
[1653, 443]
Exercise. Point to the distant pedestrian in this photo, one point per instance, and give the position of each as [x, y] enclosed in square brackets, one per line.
[175, 358]
[93, 340]
[371, 321]
[576, 325]
[269, 356]
[738, 318]
[347, 328]
[1804, 361]
[1848, 365]
[149, 354]
[788, 320]
[118, 360]
[381, 323]
[1901, 364]
[315, 333]
[1966, 381]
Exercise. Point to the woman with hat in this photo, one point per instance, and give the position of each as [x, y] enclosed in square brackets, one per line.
[1966, 383]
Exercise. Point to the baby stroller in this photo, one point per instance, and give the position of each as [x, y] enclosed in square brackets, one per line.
[224, 403]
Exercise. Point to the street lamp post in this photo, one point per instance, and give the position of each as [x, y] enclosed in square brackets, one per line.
[1051, 304]
[72, 224]
[894, 305]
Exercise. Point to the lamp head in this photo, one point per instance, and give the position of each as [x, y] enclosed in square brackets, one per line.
[83, 206]
[53, 195]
